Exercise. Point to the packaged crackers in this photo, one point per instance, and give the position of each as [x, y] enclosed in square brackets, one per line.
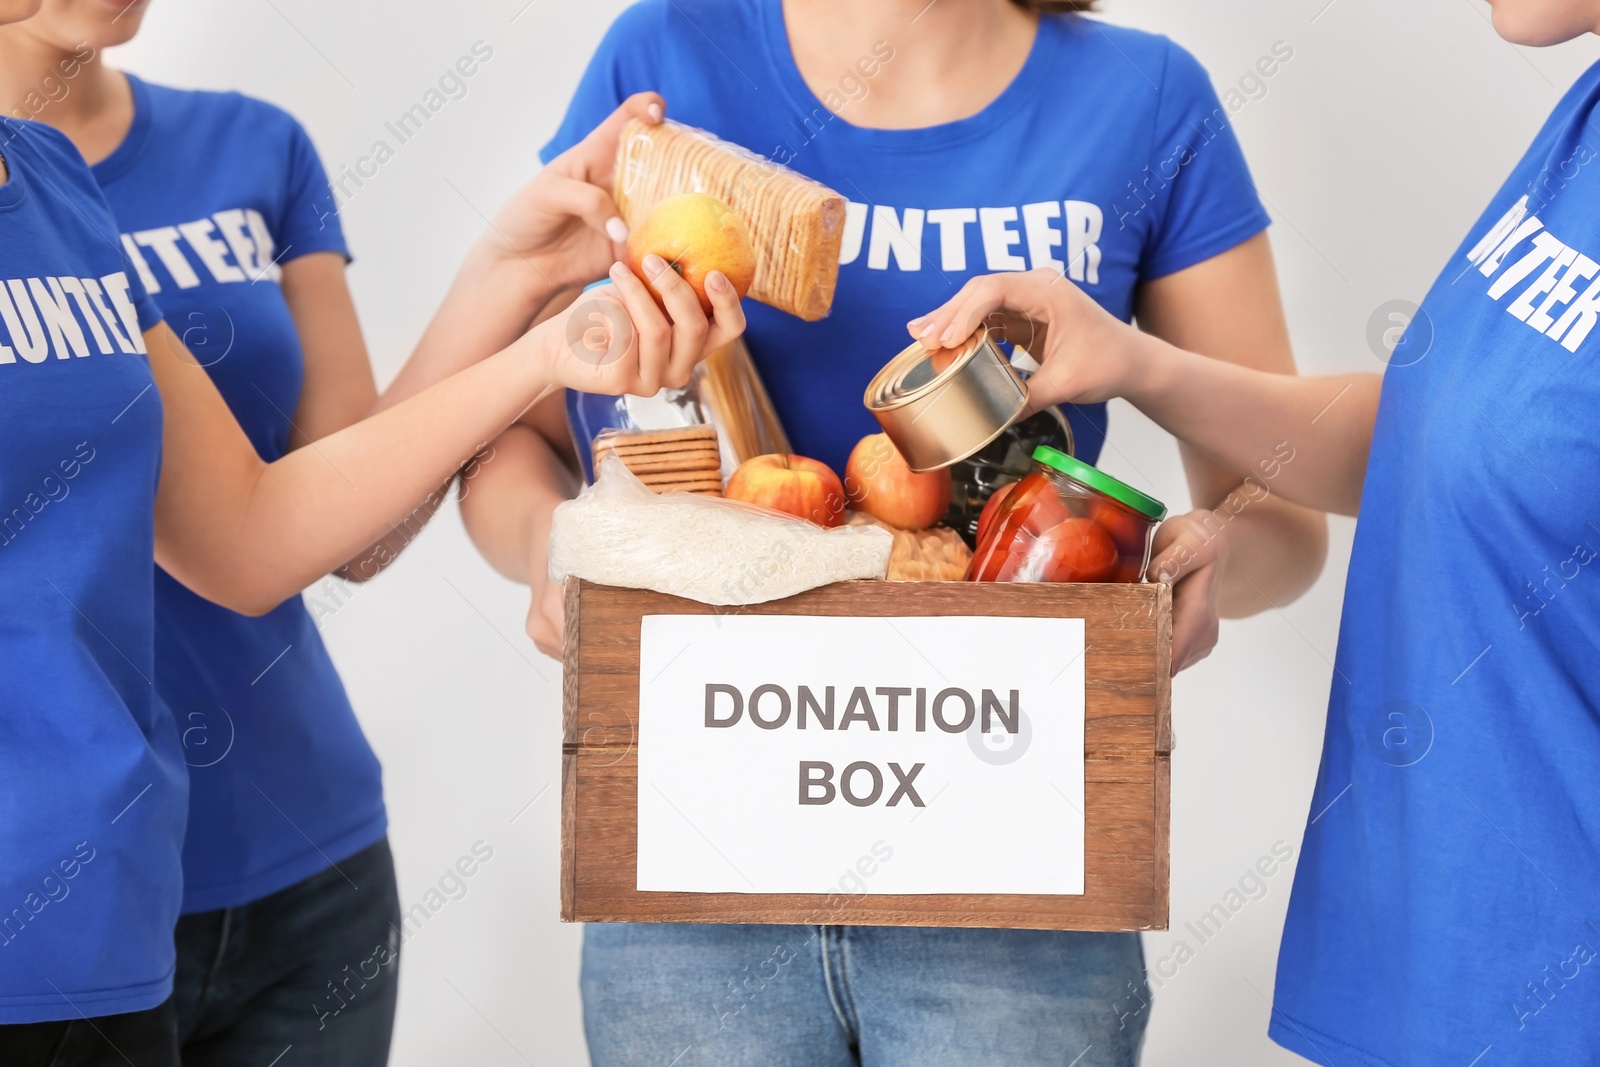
[737, 402]
[687, 460]
[796, 224]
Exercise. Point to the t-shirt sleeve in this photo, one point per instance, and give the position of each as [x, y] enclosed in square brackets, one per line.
[1210, 204]
[624, 64]
[144, 304]
[310, 220]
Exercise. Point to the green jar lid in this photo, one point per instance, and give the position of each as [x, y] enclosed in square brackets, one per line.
[1097, 479]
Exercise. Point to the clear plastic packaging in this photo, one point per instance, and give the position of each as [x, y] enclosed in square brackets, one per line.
[937, 554]
[726, 392]
[617, 532]
[1066, 522]
[796, 224]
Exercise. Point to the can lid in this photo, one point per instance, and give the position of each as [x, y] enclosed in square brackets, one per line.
[1097, 479]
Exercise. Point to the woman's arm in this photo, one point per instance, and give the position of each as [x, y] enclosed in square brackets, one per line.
[247, 534]
[338, 389]
[508, 507]
[1241, 548]
[558, 232]
[1240, 418]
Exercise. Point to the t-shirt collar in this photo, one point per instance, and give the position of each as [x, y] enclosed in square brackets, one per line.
[1032, 80]
[126, 154]
[15, 189]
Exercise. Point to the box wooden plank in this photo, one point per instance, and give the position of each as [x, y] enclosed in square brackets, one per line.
[1127, 735]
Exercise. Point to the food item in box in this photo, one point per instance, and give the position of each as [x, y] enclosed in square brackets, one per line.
[724, 392]
[617, 532]
[683, 460]
[737, 402]
[941, 407]
[791, 484]
[696, 234]
[936, 555]
[1004, 461]
[1066, 522]
[796, 225]
[992, 507]
[878, 482]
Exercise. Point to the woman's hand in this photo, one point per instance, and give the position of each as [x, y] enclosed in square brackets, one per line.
[1085, 354]
[545, 623]
[1190, 556]
[615, 339]
[562, 230]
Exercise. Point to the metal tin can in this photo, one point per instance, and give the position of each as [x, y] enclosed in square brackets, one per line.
[940, 408]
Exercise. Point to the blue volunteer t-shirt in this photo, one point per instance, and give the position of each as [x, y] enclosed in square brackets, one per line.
[92, 788]
[213, 193]
[1446, 909]
[1108, 157]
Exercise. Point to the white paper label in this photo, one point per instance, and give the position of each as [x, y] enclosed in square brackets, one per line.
[798, 754]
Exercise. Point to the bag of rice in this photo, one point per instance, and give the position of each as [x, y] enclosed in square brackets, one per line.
[723, 552]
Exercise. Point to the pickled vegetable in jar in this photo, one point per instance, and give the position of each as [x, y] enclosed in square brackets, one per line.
[1066, 522]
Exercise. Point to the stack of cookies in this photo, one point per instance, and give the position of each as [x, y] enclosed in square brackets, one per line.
[796, 224]
[685, 460]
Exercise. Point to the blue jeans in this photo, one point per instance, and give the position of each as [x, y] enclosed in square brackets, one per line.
[141, 1038]
[874, 996]
[314, 967]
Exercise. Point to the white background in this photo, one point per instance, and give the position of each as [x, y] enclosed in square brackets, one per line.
[1376, 147]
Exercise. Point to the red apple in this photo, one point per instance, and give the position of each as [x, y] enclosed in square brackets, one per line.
[879, 483]
[696, 234]
[793, 484]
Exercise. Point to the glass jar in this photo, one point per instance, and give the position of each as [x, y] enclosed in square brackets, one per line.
[1066, 522]
[1001, 462]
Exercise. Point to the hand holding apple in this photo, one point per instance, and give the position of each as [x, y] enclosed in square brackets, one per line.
[696, 234]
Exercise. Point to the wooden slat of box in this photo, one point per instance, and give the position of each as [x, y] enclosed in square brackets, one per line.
[1127, 746]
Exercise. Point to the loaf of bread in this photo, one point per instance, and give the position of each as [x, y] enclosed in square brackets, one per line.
[796, 224]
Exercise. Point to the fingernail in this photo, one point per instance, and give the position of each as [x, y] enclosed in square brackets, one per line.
[654, 265]
[655, 112]
[918, 321]
[717, 281]
[927, 332]
[949, 335]
[617, 230]
[619, 272]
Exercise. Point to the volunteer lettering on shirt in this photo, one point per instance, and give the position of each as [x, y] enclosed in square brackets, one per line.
[230, 246]
[1059, 235]
[1561, 269]
[45, 318]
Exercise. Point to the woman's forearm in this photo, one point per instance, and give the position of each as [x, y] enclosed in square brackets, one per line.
[248, 534]
[508, 503]
[1312, 433]
[1275, 552]
[490, 303]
